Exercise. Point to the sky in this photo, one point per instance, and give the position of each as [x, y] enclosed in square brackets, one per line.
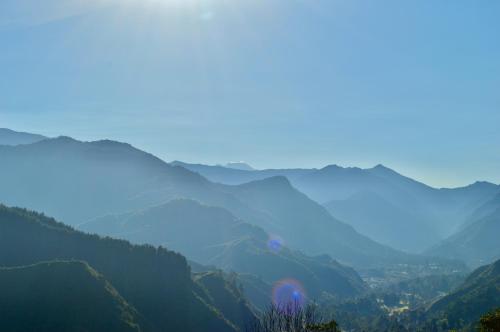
[413, 84]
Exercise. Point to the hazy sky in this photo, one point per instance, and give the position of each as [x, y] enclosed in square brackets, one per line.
[413, 84]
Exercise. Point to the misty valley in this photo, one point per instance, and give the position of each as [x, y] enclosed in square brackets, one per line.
[249, 166]
[102, 236]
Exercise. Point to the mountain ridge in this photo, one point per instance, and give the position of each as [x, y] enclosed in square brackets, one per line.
[477, 242]
[463, 307]
[147, 277]
[88, 180]
[213, 236]
[12, 138]
[63, 296]
[434, 213]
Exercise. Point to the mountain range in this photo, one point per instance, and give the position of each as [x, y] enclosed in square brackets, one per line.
[378, 202]
[213, 236]
[11, 137]
[239, 165]
[155, 282]
[78, 181]
[477, 243]
[63, 296]
[244, 234]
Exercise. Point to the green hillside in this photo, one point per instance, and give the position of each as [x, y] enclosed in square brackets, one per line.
[62, 296]
[157, 282]
[462, 308]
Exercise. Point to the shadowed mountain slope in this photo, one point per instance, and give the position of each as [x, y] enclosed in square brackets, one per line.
[223, 293]
[213, 236]
[305, 224]
[462, 308]
[397, 222]
[148, 278]
[62, 296]
[478, 242]
[483, 211]
[78, 181]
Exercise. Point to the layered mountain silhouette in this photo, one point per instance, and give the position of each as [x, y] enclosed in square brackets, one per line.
[477, 242]
[156, 282]
[11, 137]
[378, 202]
[78, 181]
[240, 165]
[227, 175]
[382, 219]
[63, 296]
[213, 236]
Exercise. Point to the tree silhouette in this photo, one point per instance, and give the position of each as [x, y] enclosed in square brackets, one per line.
[292, 317]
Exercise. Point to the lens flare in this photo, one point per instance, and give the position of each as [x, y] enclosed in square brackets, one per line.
[289, 292]
[275, 243]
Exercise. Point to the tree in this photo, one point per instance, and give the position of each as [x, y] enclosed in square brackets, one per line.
[490, 322]
[292, 317]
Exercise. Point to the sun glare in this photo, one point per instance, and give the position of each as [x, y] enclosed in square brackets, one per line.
[176, 3]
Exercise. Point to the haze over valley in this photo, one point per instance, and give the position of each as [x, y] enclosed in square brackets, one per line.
[342, 234]
[249, 166]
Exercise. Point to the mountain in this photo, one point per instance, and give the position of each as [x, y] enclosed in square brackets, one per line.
[388, 222]
[224, 293]
[11, 137]
[213, 236]
[77, 181]
[240, 165]
[198, 231]
[412, 305]
[462, 308]
[303, 223]
[257, 291]
[231, 176]
[483, 211]
[389, 200]
[428, 214]
[477, 243]
[62, 296]
[155, 281]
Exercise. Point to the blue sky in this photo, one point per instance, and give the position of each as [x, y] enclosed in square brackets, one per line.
[277, 83]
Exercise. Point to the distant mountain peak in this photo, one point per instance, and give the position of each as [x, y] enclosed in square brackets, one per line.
[240, 165]
[111, 143]
[483, 184]
[331, 167]
[382, 168]
[65, 138]
[339, 169]
[12, 137]
[279, 179]
[275, 182]
[58, 140]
